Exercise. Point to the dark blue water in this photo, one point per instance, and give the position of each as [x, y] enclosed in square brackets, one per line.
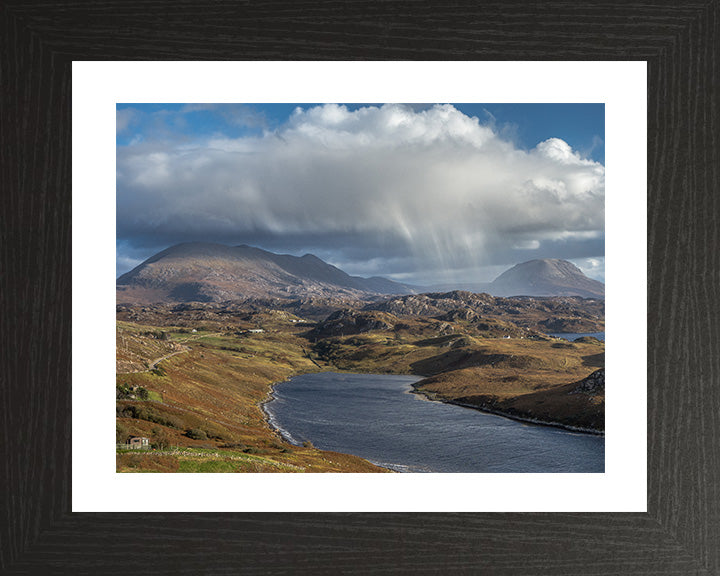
[376, 417]
[572, 336]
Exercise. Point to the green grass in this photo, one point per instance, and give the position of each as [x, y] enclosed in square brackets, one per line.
[210, 466]
[217, 385]
[191, 460]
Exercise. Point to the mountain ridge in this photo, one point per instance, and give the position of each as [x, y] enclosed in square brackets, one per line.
[208, 272]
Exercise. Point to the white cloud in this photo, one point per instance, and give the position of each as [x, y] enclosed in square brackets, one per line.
[561, 152]
[592, 267]
[123, 263]
[433, 184]
[123, 119]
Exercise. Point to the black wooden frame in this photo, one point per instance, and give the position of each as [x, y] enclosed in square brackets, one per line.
[680, 533]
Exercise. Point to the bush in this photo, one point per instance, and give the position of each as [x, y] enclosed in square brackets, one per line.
[122, 392]
[196, 434]
[149, 415]
[161, 439]
[130, 460]
[235, 445]
[254, 450]
[126, 392]
[278, 446]
[121, 434]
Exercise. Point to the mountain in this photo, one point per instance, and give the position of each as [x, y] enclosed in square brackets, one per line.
[547, 277]
[204, 272]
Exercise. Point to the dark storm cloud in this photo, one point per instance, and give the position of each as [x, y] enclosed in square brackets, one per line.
[379, 190]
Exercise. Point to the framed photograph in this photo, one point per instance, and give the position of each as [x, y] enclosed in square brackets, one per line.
[439, 192]
[651, 508]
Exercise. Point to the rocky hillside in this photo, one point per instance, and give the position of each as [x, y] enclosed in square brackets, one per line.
[551, 314]
[593, 385]
[203, 272]
[346, 322]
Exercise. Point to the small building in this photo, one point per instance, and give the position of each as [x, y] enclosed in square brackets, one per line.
[139, 443]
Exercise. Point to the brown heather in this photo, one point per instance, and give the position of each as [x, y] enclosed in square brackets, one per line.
[206, 374]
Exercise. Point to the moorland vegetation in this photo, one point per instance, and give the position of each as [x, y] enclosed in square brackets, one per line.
[193, 377]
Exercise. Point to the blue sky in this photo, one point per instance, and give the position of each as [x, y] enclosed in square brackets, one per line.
[580, 125]
[420, 193]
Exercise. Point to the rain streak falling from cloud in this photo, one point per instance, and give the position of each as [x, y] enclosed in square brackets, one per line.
[414, 194]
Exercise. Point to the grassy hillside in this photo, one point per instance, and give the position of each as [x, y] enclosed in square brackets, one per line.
[528, 380]
[513, 376]
[207, 401]
[192, 380]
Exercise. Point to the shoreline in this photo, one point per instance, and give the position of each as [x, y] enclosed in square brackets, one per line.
[268, 417]
[527, 420]
[285, 436]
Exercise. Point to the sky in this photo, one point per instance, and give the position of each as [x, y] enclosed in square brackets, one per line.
[420, 193]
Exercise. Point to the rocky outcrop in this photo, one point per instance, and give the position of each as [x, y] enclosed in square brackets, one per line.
[542, 314]
[593, 385]
[459, 314]
[347, 321]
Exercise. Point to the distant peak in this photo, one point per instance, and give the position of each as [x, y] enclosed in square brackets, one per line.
[547, 277]
[545, 261]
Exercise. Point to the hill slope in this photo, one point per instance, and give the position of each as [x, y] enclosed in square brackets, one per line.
[204, 272]
[547, 277]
